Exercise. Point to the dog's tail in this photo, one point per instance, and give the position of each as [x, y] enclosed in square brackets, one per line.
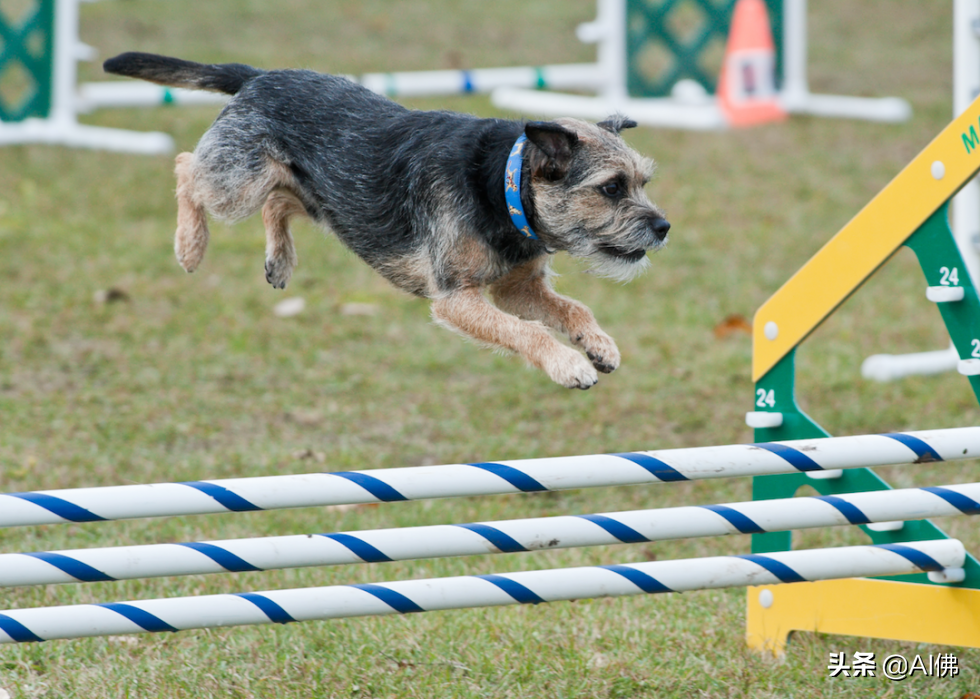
[174, 72]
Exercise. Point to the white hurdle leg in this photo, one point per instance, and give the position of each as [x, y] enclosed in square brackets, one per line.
[796, 96]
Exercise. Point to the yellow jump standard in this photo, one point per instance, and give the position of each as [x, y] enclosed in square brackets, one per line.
[912, 210]
[863, 607]
[866, 242]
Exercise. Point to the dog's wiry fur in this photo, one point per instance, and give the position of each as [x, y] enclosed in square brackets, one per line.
[419, 196]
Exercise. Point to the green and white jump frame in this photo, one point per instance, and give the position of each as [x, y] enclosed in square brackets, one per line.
[45, 45]
[689, 102]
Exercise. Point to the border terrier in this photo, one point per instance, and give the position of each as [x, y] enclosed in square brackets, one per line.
[445, 206]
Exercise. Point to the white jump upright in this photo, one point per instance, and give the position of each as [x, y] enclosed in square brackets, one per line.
[796, 97]
[943, 560]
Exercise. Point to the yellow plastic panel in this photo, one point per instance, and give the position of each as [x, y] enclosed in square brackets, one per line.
[867, 241]
[866, 608]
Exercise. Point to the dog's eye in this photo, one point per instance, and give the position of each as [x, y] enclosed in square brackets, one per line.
[610, 189]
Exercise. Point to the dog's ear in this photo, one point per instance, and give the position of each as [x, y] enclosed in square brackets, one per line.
[556, 143]
[616, 123]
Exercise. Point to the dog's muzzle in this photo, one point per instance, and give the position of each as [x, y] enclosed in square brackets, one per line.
[649, 234]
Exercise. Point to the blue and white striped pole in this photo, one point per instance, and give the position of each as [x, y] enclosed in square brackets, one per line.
[423, 83]
[532, 587]
[519, 535]
[503, 477]
[99, 95]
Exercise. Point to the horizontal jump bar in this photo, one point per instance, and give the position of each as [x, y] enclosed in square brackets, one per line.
[512, 536]
[488, 478]
[531, 587]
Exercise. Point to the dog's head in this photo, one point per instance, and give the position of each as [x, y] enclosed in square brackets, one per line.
[587, 188]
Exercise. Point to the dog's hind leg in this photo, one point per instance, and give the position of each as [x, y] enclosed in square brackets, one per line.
[280, 251]
[235, 176]
[526, 292]
[191, 239]
[469, 313]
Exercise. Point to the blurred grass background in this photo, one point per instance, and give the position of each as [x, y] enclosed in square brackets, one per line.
[189, 377]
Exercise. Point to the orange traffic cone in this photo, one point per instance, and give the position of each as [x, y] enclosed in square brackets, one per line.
[747, 86]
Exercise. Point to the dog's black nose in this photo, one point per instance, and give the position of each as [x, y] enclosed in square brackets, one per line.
[660, 226]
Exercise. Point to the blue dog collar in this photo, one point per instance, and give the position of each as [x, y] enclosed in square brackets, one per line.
[512, 189]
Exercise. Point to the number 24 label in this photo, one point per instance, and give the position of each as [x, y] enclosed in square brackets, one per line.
[766, 398]
[950, 277]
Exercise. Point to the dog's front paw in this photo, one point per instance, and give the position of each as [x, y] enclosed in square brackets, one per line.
[278, 272]
[601, 350]
[571, 370]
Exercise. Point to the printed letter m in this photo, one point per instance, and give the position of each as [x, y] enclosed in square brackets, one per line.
[971, 141]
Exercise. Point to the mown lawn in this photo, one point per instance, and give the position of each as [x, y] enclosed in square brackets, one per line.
[187, 377]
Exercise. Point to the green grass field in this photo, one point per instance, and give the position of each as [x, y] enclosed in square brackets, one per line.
[190, 377]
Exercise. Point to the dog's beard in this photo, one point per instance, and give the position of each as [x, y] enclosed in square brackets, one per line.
[621, 258]
[616, 268]
[622, 261]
